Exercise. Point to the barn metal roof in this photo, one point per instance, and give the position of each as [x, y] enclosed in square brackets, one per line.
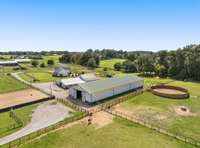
[71, 81]
[108, 83]
[8, 62]
[88, 77]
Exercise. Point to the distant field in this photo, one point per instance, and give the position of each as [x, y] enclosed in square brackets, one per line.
[110, 63]
[39, 77]
[5, 57]
[7, 70]
[163, 111]
[43, 75]
[152, 81]
[54, 57]
[79, 69]
[119, 134]
[6, 121]
[8, 84]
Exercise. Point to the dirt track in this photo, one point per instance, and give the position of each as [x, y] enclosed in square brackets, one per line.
[20, 97]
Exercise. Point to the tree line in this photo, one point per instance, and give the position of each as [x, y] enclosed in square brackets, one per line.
[183, 63]
[179, 64]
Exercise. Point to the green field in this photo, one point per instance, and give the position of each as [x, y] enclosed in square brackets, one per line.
[193, 87]
[44, 74]
[7, 70]
[152, 81]
[162, 111]
[39, 77]
[119, 134]
[41, 74]
[9, 84]
[6, 121]
[110, 63]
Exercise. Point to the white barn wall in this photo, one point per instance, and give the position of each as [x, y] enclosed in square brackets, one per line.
[86, 97]
[101, 95]
[114, 91]
[121, 89]
[72, 92]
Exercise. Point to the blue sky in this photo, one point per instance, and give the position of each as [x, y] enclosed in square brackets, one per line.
[77, 25]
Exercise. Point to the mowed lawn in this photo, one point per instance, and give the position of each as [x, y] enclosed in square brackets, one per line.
[9, 84]
[119, 134]
[6, 121]
[163, 111]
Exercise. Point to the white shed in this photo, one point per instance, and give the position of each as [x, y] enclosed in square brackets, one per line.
[8, 63]
[101, 89]
[88, 77]
[66, 83]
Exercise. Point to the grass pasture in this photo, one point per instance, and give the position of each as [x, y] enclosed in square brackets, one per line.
[163, 111]
[9, 84]
[110, 63]
[39, 76]
[193, 87]
[152, 81]
[120, 133]
[6, 121]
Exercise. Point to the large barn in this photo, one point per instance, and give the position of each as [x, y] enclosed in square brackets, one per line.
[101, 89]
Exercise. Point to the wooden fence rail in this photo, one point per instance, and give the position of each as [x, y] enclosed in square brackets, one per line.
[116, 101]
[155, 127]
[42, 131]
[19, 122]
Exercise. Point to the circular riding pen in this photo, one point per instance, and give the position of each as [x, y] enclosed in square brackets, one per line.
[170, 91]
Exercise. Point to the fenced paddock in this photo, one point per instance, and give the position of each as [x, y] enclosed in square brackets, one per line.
[81, 113]
[40, 132]
[19, 122]
[170, 91]
[156, 127]
[112, 102]
[21, 98]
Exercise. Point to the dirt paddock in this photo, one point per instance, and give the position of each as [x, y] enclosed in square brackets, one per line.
[20, 97]
[101, 119]
[169, 91]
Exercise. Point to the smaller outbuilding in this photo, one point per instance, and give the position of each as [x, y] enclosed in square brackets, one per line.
[67, 83]
[94, 91]
[88, 77]
[23, 60]
[8, 63]
[61, 72]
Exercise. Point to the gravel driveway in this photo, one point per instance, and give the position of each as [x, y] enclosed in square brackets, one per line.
[46, 114]
[52, 88]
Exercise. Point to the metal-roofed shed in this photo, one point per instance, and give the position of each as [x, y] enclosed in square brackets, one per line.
[8, 63]
[101, 89]
[89, 77]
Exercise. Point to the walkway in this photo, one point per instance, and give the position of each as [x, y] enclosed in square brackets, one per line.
[49, 88]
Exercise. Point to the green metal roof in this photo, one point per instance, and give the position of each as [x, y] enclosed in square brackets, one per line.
[108, 83]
